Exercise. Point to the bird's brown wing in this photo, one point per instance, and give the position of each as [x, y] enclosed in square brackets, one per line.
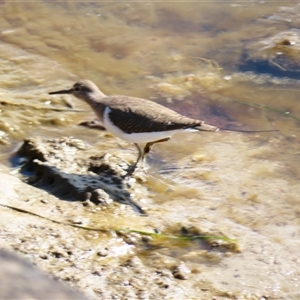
[132, 117]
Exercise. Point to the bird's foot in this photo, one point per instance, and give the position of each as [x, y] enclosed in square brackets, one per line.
[130, 171]
[134, 168]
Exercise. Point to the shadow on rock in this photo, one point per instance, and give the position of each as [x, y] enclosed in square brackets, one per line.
[71, 170]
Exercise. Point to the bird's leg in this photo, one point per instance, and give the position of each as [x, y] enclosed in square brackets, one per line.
[143, 154]
[149, 146]
[132, 168]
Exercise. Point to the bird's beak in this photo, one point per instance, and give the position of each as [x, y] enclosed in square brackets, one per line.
[70, 91]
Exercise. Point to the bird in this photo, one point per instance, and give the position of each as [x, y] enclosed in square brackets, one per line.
[134, 120]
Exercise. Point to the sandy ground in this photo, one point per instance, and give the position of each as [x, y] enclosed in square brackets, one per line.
[108, 264]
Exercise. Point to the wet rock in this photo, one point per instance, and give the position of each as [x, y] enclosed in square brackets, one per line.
[94, 124]
[71, 170]
[181, 271]
[100, 196]
[212, 241]
[277, 54]
[103, 252]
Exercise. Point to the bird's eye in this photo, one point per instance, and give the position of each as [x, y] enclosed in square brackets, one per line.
[77, 88]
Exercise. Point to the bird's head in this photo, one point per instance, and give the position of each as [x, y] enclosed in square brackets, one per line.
[83, 89]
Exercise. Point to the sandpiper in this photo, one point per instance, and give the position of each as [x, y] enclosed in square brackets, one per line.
[133, 119]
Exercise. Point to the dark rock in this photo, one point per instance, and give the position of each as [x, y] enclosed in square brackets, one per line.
[20, 280]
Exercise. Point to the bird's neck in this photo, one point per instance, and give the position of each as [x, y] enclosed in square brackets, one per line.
[95, 101]
[93, 98]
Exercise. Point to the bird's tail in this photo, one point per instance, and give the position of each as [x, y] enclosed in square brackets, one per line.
[206, 127]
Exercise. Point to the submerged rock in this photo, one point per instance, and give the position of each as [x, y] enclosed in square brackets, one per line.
[276, 54]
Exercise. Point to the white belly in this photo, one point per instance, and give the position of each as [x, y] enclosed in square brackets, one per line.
[143, 137]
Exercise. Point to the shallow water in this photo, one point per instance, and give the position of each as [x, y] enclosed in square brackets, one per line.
[199, 59]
